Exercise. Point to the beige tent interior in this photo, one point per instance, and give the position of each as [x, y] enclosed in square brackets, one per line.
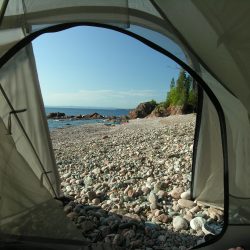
[215, 39]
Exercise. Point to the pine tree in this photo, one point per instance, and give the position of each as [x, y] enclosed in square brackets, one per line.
[183, 92]
[181, 88]
[172, 84]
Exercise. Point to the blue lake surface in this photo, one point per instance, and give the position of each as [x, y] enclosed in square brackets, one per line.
[53, 124]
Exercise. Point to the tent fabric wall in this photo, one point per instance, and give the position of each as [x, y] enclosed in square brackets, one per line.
[20, 188]
[238, 147]
[20, 83]
[209, 171]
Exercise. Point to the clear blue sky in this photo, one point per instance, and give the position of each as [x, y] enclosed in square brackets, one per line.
[96, 67]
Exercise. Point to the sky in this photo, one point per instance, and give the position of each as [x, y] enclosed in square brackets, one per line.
[96, 67]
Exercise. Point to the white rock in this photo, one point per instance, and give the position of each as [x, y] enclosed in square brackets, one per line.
[197, 223]
[68, 188]
[161, 194]
[145, 190]
[96, 171]
[88, 181]
[66, 175]
[179, 223]
[150, 180]
[186, 195]
[64, 184]
[152, 198]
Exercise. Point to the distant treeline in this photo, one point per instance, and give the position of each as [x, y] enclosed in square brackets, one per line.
[182, 94]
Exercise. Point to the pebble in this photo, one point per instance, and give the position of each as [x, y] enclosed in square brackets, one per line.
[152, 200]
[214, 213]
[186, 203]
[137, 209]
[162, 238]
[146, 190]
[180, 223]
[91, 195]
[186, 195]
[105, 230]
[67, 209]
[118, 240]
[130, 216]
[195, 209]
[163, 218]
[176, 192]
[197, 223]
[162, 194]
[128, 189]
[96, 171]
[88, 181]
[68, 188]
[96, 201]
[87, 226]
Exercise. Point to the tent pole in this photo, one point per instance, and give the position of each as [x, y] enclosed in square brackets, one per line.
[3, 9]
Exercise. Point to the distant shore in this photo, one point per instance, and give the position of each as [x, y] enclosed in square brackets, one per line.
[65, 117]
[70, 111]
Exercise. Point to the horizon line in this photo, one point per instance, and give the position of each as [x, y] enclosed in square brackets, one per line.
[82, 107]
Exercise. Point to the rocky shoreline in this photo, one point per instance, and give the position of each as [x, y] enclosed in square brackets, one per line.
[92, 116]
[129, 184]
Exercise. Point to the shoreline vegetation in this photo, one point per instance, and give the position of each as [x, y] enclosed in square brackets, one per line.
[181, 99]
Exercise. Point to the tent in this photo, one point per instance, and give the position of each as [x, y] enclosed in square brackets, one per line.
[215, 39]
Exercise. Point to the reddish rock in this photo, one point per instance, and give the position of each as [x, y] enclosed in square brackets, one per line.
[174, 110]
[176, 192]
[162, 218]
[142, 110]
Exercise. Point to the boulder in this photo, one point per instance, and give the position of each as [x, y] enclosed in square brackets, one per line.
[174, 110]
[96, 116]
[159, 111]
[142, 110]
[55, 115]
[93, 116]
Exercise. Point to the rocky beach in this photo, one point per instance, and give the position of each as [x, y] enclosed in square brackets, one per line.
[129, 184]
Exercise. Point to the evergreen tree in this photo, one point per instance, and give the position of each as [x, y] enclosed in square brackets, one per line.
[181, 88]
[172, 84]
[183, 92]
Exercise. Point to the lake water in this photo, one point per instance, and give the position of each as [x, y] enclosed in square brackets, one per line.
[83, 111]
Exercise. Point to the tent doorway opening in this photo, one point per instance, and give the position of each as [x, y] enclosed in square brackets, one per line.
[126, 171]
[128, 184]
